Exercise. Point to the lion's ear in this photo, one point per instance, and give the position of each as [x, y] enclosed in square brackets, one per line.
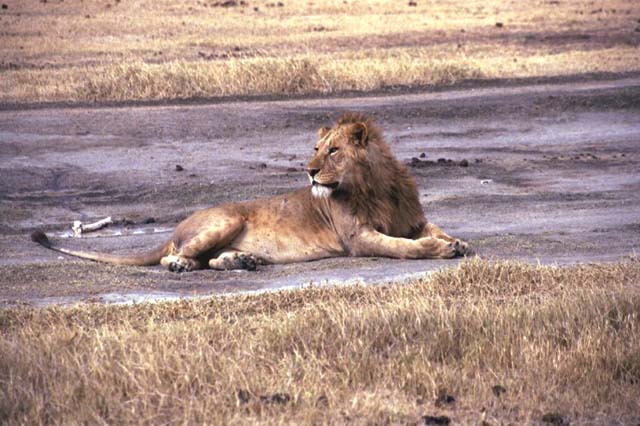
[359, 133]
[322, 131]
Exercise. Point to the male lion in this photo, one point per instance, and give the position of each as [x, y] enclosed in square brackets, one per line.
[361, 202]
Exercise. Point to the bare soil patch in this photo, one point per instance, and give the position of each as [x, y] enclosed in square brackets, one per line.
[551, 176]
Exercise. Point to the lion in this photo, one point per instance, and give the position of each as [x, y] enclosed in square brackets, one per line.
[361, 201]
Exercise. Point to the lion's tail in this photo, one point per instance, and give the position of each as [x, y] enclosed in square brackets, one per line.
[144, 259]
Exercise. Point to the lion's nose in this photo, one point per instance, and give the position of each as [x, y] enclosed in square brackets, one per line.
[312, 172]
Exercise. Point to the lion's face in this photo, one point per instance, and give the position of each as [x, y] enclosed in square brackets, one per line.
[336, 157]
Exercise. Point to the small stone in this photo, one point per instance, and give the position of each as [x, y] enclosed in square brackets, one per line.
[498, 390]
[276, 398]
[442, 160]
[243, 396]
[423, 155]
[464, 163]
[413, 3]
[262, 165]
[436, 420]
[555, 419]
[149, 220]
[499, 25]
[4, 6]
[445, 399]
[179, 168]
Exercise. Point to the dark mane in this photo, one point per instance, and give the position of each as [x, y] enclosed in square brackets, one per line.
[384, 194]
[357, 117]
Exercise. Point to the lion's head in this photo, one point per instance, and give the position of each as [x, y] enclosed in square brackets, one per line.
[337, 157]
[352, 163]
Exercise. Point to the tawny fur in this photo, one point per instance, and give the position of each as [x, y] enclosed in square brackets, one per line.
[362, 202]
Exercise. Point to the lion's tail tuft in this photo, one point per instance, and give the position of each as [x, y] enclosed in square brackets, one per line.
[38, 236]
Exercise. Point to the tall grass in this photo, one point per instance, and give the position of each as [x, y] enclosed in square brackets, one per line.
[509, 341]
[77, 50]
[258, 76]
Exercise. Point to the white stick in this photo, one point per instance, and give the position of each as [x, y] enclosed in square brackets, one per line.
[78, 227]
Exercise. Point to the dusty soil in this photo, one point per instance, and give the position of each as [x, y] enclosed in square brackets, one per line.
[547, 173]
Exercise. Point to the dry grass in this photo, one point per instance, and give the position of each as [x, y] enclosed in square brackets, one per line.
[142, 49]
[564, 340]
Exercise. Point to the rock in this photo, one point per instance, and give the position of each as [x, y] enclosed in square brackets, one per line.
[442, 160]
[499, 25]
[555, 419]
[423, 155]
[262, 165]
[276, 398]
[498, 390]
[228, 3]
[436, 420]
[4, 6]
[413, 3]
[464, 163]
[444, 399]
[179, 168]
[416, 162]
[243, 396]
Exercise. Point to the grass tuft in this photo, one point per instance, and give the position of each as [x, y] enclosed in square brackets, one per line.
[259, 76]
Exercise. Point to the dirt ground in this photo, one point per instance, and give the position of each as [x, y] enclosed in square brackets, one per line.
[539, 172]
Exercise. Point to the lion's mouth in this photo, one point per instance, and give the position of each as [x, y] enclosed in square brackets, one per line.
[323, 190]
[333, 185]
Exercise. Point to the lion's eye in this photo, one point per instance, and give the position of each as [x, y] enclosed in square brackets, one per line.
[332, 150]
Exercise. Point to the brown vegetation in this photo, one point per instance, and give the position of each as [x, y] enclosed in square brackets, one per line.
[143, 49]
[487, 341]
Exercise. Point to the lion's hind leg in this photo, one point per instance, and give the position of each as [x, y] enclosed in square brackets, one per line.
[234, 259]
[210, 235]
[176, 263]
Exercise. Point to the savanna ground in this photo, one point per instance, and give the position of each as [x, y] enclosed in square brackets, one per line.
[119, 50]
[534, 173]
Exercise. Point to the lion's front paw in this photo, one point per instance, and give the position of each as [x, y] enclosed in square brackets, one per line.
[460, 248]
[248, 262]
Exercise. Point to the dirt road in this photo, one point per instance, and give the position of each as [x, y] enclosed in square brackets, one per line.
[552, 174]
